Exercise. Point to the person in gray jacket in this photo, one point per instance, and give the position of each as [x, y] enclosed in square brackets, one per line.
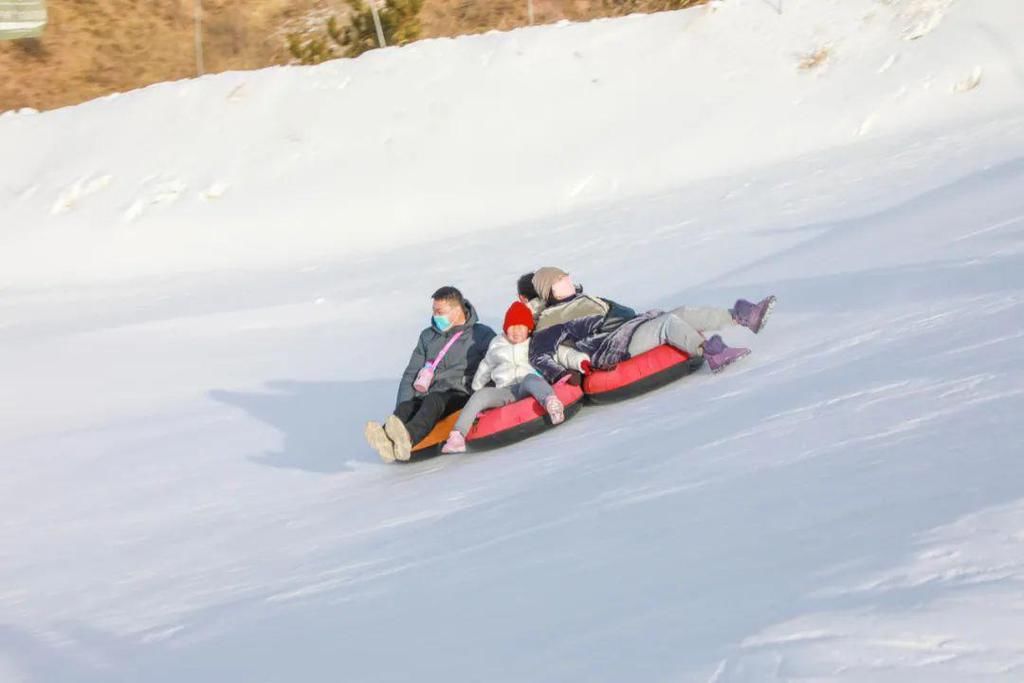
[438, 378]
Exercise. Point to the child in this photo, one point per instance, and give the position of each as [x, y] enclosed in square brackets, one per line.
[507, 364]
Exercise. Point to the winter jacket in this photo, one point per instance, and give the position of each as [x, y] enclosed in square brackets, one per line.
[583, 306]
[507, 363]
[455, 371]
[606, 349]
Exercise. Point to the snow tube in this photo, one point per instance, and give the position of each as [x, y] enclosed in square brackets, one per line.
[503, 426]
[520, 420]
[437, 436]
[640, 374]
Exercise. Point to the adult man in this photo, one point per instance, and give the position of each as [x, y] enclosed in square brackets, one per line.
[451, 348]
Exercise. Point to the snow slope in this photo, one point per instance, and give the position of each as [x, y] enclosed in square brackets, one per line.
[208, 286]
[445, 136]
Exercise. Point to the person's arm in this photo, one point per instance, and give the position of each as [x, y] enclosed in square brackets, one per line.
[416, 361]
[544, 345]
[481, 342]
[573, 359]
[483, 371]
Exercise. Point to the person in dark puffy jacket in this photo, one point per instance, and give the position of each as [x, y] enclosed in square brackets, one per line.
[611, 333]
[563, 301]
[452, 348]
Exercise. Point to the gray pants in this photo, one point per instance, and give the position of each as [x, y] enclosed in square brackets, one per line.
[494, 397]
[681, 328]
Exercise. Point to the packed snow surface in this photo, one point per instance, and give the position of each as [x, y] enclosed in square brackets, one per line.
[207, 287]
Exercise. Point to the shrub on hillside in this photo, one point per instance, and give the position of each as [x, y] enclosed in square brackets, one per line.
[399, 21]
[31, 47]
[630, 6]
[310, 50]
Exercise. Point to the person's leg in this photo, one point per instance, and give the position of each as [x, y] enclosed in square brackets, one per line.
[406, 409]
[536, 386]
[704, 318]
[379, 441]
[378, 437]
[490, 397]
[454, 400]
[431, 410]
[407, 433]
[396, 428]
[666, 329]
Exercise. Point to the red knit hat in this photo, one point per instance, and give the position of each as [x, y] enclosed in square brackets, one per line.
[518, 314]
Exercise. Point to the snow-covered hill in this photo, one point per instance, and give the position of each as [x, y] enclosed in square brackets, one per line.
[450, 137]
[206, 288]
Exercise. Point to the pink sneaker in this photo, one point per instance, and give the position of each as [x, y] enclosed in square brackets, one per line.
[456, 443]
[555, 409]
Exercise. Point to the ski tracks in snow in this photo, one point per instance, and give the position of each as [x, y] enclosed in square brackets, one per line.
[950, 615]
[158, 190]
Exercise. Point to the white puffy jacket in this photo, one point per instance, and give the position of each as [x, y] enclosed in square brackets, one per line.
[507, 363]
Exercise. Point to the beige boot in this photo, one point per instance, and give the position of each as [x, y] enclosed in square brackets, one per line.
[399, 436]
[379, 441]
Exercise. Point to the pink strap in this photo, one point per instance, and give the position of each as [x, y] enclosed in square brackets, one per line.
[444, 350]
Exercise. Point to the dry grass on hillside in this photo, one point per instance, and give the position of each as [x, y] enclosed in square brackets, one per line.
[94, 47]
[457, 17]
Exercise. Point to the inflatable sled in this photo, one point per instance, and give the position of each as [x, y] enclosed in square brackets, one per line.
[640, 374]
[503, 426]
[520, 420]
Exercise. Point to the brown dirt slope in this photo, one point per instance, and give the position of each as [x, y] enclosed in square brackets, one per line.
[95, 47]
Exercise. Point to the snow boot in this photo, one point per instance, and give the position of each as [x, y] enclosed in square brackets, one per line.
[379, 441]
[456, 443]
[399, 436]
[753, 316]
[555, 409]
[718, 355]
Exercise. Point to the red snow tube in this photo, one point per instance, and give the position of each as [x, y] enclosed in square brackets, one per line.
[520, 420]
[640, 374]
[506, 425]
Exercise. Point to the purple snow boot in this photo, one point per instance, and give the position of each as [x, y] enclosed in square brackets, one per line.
[718, 355]
[753, 316]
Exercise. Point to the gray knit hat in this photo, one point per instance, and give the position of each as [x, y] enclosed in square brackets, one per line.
[545, 278]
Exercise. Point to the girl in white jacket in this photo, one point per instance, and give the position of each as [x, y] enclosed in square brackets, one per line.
[507, 364]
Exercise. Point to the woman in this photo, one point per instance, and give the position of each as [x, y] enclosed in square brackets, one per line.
[611, 333]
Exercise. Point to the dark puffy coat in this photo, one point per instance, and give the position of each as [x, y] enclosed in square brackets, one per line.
[581, 306]
[617, 316]
[606, 349]
[455, 371]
